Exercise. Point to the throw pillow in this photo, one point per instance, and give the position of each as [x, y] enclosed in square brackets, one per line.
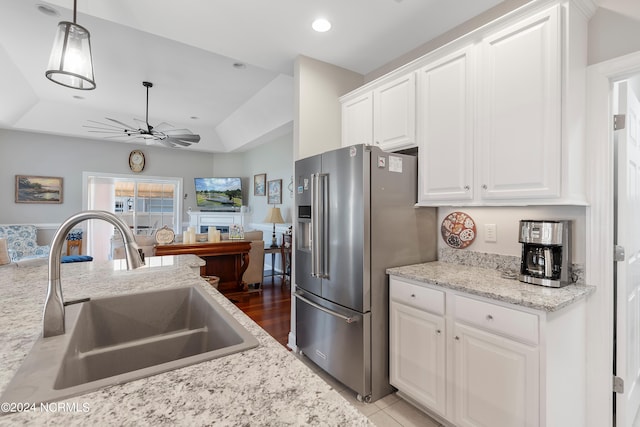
[4, 253]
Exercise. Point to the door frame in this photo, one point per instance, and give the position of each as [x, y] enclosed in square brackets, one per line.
[600, 238]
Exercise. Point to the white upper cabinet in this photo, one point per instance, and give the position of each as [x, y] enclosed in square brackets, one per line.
[497, 115]
[357, 120]
[445, 128]
[384, 116]
[519, 114]
[394, 114]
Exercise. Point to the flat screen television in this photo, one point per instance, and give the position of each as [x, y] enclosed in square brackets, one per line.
[219, 194]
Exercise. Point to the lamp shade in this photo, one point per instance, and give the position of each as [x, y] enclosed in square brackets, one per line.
[70, 63]
[274, 216]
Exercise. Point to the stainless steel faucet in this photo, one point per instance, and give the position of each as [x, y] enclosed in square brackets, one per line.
[53, 316]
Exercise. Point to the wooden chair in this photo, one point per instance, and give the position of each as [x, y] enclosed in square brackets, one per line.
[285, 253]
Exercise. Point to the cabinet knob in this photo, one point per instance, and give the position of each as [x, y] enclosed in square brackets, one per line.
[467, 188]
[484, 186]
[438, 331]
[489, 317]
[413, 295]
[457, 338]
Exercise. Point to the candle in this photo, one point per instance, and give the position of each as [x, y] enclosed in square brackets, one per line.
[217, 236]
[213, 233]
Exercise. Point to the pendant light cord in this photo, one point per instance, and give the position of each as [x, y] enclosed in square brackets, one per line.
[75, 2]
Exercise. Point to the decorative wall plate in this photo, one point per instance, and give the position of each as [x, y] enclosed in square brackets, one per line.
[165, 235]
[458, 230]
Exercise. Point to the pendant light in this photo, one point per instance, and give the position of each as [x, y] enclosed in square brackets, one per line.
[70, 63]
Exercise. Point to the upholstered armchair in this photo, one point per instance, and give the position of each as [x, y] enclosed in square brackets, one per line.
[22, 242]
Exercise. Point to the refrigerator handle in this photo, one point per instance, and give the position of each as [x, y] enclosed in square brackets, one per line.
[313, 229]
[319, 225]
[323, 233]
[326, 310]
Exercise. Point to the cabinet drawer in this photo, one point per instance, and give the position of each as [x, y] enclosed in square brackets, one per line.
[417, 296]
[513, 323]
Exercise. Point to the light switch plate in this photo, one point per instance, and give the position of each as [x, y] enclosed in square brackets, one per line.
[490, 233]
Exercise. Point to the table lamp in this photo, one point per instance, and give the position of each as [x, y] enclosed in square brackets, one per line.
[274, 217]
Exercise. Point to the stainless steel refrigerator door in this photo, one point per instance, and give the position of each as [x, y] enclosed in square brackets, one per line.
[336, 339]
[304, 169]
[346, 281]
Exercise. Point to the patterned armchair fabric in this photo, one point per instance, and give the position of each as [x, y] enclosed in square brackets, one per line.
[22, 242]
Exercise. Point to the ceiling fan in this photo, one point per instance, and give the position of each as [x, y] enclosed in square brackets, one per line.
[163, 133]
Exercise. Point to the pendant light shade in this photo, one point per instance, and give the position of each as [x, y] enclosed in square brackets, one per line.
[70, 63]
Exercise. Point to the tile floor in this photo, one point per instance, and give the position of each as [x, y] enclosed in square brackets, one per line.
[390, 411]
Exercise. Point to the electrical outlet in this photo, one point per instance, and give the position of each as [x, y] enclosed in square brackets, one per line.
[490, 233]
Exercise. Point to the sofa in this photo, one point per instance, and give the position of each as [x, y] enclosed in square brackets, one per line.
[22, 242]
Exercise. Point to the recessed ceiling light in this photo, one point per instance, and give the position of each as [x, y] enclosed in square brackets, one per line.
[47, 10]
[321, 25]
[239, 65]
[194, 117]
[78, 97]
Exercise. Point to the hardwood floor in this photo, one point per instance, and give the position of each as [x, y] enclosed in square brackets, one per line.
[271, 308]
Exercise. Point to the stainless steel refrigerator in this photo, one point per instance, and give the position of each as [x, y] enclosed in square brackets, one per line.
[355, 218]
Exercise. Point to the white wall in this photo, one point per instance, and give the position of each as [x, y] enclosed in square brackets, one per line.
[318, 120]
[275, 159]
[507, 220]
[26, 153]
[612, 35]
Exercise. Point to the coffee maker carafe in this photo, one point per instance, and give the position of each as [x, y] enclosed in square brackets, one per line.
[546, 252]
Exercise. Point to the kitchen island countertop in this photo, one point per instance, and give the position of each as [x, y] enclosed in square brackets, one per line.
[266, 385]
[491, 283]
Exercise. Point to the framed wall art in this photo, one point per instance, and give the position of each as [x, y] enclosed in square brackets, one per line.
[38, 189]
[260, 184]
[274, 195]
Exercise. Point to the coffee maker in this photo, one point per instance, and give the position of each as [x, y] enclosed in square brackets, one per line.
[546, 252]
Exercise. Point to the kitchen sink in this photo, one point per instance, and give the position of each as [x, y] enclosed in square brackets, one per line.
[117, 339]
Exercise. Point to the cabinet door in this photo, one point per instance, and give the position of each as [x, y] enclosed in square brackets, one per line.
[394, 114]
[496, 380]
[520, 108]
[416, 355]
[445, 129]
[357, 120]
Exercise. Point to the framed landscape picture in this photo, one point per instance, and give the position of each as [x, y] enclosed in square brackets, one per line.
[38, 189]
[274, 196]
[260, 184]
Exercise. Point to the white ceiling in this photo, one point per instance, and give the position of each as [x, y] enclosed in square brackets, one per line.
[187, 49]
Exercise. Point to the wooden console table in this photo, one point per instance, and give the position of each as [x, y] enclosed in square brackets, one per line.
[228, 259]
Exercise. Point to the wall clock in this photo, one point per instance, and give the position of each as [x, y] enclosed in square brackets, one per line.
[136, 160]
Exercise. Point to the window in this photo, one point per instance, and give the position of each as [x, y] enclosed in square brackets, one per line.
[145, 204]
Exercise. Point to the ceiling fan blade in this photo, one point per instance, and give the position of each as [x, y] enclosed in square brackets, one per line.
[109, 132]
[186, 137]
[120, 128]
[174, 142]
[126, 126]
[106, 130]
[163, 127]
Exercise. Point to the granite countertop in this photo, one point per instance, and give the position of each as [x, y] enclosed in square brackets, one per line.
[266, 385]
[490, 283]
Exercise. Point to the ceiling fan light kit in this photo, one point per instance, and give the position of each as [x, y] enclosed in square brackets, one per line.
[163, 134]
[70, 63]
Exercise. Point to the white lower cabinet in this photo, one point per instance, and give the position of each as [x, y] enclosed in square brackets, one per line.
[495, 380]
[417, 347]
[478, 363]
